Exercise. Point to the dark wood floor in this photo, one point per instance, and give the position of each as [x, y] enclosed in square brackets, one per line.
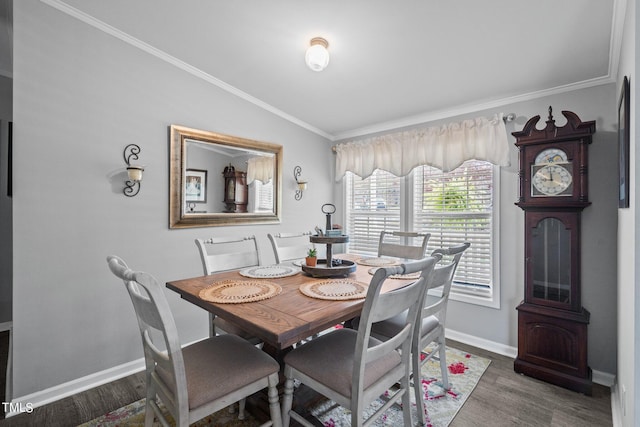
[502, 398]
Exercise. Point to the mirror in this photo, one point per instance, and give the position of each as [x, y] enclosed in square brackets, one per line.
[217, 179]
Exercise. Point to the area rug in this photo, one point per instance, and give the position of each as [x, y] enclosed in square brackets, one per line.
[441, 406]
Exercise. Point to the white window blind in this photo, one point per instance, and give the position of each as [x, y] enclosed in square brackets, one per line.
[265, 196]
[373, 205]
[457, 207]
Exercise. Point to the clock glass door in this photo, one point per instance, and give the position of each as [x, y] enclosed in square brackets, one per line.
[552, 253]
[551, 261]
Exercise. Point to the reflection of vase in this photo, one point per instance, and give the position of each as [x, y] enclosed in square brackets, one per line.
[311, 261]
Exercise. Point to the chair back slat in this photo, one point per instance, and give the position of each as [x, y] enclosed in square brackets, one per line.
[290, 246]
[228, 253]
[403, 244]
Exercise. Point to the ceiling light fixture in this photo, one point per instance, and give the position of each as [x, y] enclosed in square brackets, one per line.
[317, 56]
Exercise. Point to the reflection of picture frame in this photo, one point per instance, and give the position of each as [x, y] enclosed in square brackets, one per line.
[195, 185]
[623, 145]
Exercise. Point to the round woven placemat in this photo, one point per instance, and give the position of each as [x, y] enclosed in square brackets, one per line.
[239, 291]
[377, 262]
[269, 271]
[410, 276]
[335, 289]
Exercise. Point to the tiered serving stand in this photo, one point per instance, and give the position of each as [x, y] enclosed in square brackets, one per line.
[325, 267]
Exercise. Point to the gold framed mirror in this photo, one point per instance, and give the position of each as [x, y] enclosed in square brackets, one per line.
[217, 179]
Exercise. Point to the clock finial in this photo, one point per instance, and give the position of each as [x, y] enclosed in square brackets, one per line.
[550, 113]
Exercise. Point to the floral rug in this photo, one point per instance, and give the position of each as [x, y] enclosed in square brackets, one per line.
[465, 370]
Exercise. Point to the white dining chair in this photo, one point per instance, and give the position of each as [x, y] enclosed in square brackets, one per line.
[290, 246]
[432, 319]
[403, 244]
[222, 254]
[201, 378]
[352, 368]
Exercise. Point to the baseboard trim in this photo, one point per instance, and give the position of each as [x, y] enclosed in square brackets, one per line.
[6, 326]
[43, 397]
[482, 343]
[616, 406]
[603, 378]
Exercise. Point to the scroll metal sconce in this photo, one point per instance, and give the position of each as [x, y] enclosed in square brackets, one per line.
[134, 172]
[302, 185]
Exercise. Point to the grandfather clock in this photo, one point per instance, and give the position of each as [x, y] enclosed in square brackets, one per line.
[552, 324]
[235, 190]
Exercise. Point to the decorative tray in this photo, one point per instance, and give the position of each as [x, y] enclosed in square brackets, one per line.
[239, 291]
[335, 289]
[342, 268]
[410, 276]
[269, 271]
[377, 262]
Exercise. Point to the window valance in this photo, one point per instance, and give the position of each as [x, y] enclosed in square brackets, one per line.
[445, 147]
[260, 168]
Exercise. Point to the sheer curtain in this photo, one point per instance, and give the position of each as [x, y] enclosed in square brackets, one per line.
[445, 147]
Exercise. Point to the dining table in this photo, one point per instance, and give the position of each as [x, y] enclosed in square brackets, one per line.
[290, 316]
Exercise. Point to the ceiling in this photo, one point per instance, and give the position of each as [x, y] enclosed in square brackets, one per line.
[393, 63]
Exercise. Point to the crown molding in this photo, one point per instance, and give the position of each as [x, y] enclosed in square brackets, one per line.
[614, 54]
[467, 108]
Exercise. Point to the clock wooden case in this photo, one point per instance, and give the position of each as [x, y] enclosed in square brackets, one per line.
[235, 190]
[552, 324]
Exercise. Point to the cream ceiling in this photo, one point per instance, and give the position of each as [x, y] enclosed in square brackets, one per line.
[393, 63]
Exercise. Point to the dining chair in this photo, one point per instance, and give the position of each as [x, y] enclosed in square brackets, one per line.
[201, 378]
[353, 368]
[290, 246]
[403, 244]
[222, 254]
[432, 320]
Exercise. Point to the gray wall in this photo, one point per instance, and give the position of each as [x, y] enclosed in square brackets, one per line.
[626, 393]
[5, 203]
[80, 96]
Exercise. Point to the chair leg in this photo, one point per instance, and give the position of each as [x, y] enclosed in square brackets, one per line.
[241, 406]
[417, 388]
[212, 326]
[443, 363]
[287, 401]
[274, 406]
[406, 400]
[149, 412]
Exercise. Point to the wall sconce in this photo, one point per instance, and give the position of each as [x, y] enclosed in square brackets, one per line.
[134, 172]
[302, 185]
[317, 56]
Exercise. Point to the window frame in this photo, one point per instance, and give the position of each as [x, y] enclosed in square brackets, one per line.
[459, 292]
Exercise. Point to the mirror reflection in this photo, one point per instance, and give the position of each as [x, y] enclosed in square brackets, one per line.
[220, 179]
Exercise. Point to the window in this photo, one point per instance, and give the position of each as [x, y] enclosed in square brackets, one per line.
[454, 207]
[373, 205]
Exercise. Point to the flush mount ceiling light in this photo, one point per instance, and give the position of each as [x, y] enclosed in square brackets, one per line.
[317, 56]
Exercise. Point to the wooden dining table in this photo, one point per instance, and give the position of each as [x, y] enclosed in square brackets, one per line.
[286, 318]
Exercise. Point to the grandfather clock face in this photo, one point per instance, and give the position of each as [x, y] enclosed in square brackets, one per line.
[552, 174]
